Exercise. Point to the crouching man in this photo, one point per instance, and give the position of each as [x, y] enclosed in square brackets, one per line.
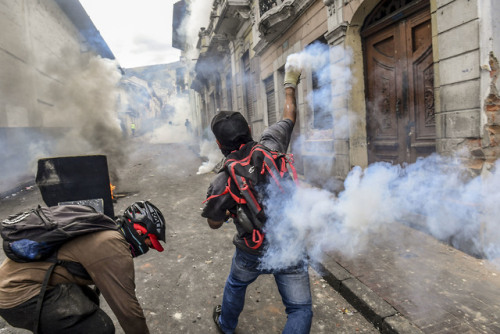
[69, 304]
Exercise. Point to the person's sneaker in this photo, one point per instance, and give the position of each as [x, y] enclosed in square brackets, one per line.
[216, 316]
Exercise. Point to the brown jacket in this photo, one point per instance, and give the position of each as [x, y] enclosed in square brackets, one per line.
[106, 257]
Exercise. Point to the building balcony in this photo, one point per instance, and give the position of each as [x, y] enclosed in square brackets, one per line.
[228, 16]
[276, 16]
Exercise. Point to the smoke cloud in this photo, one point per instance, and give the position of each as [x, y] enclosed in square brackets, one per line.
[209, 149]
[435, 194]
[75, 114]
[328, 115]
[87, 95]
[175, 129]
[191, 25]
[331, 74]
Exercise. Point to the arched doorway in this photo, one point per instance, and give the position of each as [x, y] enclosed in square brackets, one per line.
[399, 81]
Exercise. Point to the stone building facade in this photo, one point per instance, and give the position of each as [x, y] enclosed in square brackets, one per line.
[423, 76]
[39, 38]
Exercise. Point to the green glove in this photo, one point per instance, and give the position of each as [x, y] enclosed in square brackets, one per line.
[292, 77]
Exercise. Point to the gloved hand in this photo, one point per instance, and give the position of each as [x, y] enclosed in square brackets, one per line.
[292, 77]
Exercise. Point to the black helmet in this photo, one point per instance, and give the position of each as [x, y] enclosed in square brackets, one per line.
[231, 130]
[148, 219]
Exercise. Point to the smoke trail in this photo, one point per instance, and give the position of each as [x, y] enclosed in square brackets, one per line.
[209, 149]
[447, 202]
[329, 119]
[196, 19]
[330, 68]
[86, 98]
[74, 114]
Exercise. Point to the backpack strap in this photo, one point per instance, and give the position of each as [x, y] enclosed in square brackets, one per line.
[248, 197]
[288, 159]
[226, 190]
[238, 199]
[41, 295]
[73, 268]
[257, 238]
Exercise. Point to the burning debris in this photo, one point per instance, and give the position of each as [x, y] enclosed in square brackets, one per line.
[112, 189]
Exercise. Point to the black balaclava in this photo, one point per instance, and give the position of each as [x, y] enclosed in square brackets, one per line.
[136, 242]
[231, 131]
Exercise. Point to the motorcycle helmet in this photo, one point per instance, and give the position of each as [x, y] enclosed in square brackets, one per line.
[142, 220]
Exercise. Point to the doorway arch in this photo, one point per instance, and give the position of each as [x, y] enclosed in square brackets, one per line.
[362, 135]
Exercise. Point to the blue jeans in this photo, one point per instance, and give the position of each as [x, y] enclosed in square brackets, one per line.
[293, 285]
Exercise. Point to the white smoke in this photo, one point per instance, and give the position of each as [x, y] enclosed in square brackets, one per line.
[435, 194]
[330, 66]
[86, 107]
[327, 106]
[448, 204]
[76, 115]
[313, 57]
[175, 129]
[192, 24]
[210, 150]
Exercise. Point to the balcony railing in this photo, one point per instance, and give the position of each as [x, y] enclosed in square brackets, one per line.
[265, 5]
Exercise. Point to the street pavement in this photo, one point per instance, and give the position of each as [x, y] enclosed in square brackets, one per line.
[408, 282]
[404, 281]
[179, 287]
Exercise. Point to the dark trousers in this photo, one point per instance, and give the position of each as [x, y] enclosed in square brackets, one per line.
[68, 308]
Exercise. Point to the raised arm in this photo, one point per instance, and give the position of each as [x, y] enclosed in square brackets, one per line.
[292, 77]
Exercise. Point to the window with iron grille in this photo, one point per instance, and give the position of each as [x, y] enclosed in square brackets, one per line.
[270, 100]
[280, 78]
[218, 92]
[385, 9]
[248, 86]
[322, 97]
[229, 91]
[265, 5]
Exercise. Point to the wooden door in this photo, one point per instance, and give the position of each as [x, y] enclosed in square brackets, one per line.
[399, 84]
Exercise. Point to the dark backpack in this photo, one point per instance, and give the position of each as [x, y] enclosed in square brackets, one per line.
[250, 170]
[37, 234]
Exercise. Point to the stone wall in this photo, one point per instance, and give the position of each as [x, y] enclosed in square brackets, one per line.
[38, 41]
[34, 35]
[457, 80]
[491, 141]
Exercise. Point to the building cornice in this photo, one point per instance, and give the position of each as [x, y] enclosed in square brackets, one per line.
[277, 20]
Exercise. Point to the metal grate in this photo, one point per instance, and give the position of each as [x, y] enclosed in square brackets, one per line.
[265, 5]
[270, 100]
[385, 9]
[248, 83]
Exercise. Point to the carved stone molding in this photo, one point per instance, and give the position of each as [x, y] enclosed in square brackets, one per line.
[278, 19]
[330, 4]
[337, 35]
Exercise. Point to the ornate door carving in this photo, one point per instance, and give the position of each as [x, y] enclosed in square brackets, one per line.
[399, 82]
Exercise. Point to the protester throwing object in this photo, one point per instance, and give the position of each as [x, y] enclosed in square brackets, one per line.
[234, 194]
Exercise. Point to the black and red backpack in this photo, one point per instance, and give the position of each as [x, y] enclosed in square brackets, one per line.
[251, 169]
